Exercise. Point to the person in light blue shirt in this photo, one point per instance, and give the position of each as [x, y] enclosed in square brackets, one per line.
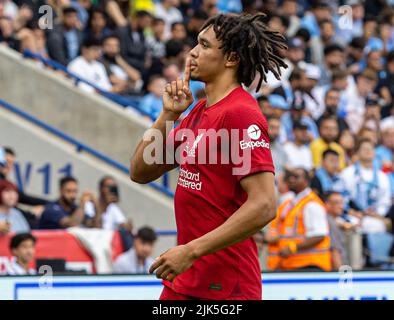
[138, 259]
[229, 6]
[152, 103]
[349, 24]
[319, 11]
[296, 115]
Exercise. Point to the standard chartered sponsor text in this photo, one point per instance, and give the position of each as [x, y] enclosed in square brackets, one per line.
[189, 180]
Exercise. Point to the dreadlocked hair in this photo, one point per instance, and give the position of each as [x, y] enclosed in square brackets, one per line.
[255, 44]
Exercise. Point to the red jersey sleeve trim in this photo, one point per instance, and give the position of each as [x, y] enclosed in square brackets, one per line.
[261, 168]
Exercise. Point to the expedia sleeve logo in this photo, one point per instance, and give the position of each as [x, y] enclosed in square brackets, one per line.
[254, 133]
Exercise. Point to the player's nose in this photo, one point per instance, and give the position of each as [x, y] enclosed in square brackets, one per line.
[194, 52]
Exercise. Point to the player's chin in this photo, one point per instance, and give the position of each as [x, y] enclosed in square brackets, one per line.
[195, 76]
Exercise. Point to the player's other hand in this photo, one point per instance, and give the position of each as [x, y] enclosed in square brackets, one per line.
[172, 263]
[177, 96]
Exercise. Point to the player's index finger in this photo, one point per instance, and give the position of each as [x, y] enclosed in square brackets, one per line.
[155, 265]
[186, 77]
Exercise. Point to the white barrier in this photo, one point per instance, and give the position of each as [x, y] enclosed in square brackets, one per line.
[284, 286]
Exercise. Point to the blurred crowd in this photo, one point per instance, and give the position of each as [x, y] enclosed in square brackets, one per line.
[330, 118]
[21, 213]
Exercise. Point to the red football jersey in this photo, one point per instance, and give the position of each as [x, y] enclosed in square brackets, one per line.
[208, 194]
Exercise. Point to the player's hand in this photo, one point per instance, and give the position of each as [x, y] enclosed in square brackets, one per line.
[177, 96]
[172, 263]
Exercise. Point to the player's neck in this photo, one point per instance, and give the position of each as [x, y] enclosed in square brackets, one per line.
[217, 90]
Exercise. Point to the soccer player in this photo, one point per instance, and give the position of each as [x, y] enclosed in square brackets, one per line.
[217, 208]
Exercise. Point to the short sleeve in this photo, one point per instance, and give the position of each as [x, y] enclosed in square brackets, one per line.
[116, 214]
[315, 220]
[250, 145]
[53, 215]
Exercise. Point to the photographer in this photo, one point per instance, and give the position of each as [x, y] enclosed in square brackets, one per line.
[105, 213]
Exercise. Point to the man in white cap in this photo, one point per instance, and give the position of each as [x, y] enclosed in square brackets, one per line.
[314, 94]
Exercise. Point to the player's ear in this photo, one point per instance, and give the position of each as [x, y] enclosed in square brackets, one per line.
[232, 60]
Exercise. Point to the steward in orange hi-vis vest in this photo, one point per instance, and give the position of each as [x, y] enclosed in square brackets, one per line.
[290, 227]
[273, 258]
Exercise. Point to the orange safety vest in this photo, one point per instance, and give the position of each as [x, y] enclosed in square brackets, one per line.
[291, 229]
[273, 258]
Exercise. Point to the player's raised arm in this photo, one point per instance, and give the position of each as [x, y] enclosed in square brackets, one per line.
[177, 98]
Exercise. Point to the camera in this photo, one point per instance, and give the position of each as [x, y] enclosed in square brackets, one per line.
[114, 190]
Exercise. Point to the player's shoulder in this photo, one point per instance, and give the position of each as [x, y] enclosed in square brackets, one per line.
[241, 100]
[243, 107]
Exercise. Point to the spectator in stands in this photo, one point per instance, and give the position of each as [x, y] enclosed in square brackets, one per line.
[175, 53]
[389, 81]
[385, 151]
[356, 96]
[168, 11]
[372, 113]
[7, 160]
[171, 72]
[290, 9]
[334, 59]
[22, 247]
[65, 39]
[156, 42]
[331, 108]
[277, 104]
[368, 134]
[138, 259]
[152, 103]
[133, 45]
[10, 158]
[32, 215]
[3, 164]
[11, 219]
[296, 114]
[97, 26]
[348, 142]
[355, 54]
[296, 51]
[308, 248]
[125, 79]
[374, 62]
[326, 178]
[83, 7]
[335, 208]
[40, 40]
[195, 24]
[312, 92]
[298, 152]
[329, 132]
[105, 213]
[178, 31]
[64, 212]
[368, 188]
[90, 69]
[327, 38]
[279, 155]
[14, 34]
